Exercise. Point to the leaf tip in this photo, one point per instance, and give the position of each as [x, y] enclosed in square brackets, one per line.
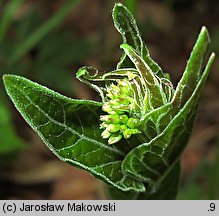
[117, 5]
[125, 46]
[6, 79]
[9, 79]
[80, 72]
[204, 29]
[212, 57]
[204, 33]
[5, 76]
[117, 12]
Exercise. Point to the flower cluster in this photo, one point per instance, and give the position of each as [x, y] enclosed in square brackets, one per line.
[119, 122]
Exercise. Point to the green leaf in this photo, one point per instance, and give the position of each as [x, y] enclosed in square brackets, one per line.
[126, 25]
[70, 128]
[150, 161]
[115, 194]
[91, 77]
[191, 75]
[155, 95]
[166, 190]
[154, 122]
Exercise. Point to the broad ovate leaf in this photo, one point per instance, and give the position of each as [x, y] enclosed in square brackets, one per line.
[70, 128]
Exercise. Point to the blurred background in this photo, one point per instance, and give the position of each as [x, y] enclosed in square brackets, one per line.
[48, 40]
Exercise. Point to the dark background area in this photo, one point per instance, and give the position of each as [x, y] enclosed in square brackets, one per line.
[48, 40]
